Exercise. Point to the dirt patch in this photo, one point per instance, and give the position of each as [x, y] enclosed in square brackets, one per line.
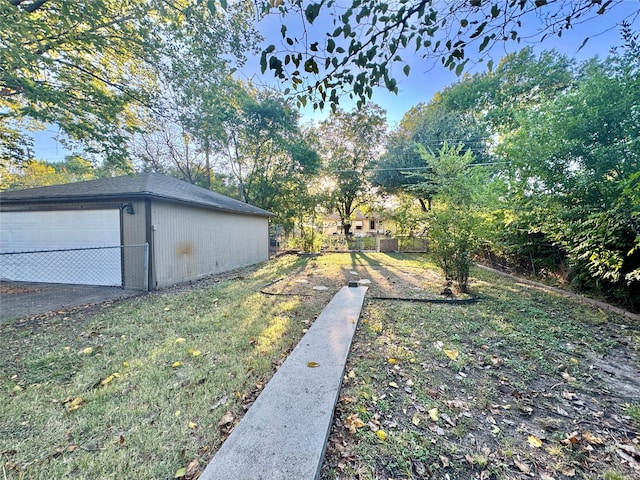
[385, 280]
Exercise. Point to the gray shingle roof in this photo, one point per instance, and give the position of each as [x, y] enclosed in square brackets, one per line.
[142, 185]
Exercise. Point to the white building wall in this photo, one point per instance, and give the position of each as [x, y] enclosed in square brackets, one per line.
[55, 232]
[191, 242]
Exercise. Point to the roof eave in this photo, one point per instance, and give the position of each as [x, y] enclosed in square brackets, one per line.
[125, 196]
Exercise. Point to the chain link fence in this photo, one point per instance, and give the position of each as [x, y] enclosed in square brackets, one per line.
[122, 266]
[338, 243]
[412, 244]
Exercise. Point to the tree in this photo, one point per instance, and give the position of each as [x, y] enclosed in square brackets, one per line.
[456, 225]
[349, 143]
[367, 40]
[82, 65]
[15, 146]
[262, 146]
[39, 173]
[575, 157]
[432, 125]
[166, 146]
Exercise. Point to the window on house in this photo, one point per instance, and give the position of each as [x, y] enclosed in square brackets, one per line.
[372, 224]
[358, 225]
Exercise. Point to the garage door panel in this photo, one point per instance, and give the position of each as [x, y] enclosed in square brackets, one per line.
[96, 232]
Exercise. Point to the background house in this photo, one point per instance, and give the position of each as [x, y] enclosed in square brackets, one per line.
[361, 224]
[143, 232]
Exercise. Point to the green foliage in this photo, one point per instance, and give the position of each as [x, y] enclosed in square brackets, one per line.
[269, 156]
[349, 143]
[455, 225]
[366, 42]
[406, 216]
[90, 66]
[431, 125]
[564, 145]
[575, 159]
[39, 173]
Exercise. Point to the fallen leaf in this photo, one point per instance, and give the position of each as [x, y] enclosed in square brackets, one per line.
[352, 422]
[226, 419]
[393, 385]
[87, 351]
[572, 439]
[433, 414]
[352, 374]
[181, 472]
[393, 361]
[313, 364]
[192, 469]
[108, 379]
[569, 472]
[381, 435]
[192, 425]
[180, 340]
[569, 395]
[444, 460]
[469, 458]
[416, 420]
[177, 413]
[447, 419]
[523, 467]
[75, 404]
[125, 364]
[591, 438]
[194, 352]
[176, 364]
[534, 441]
[452, 354]
[568, 377]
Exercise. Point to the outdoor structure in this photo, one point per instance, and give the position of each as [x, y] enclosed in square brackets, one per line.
[361, 224]
[141, 232]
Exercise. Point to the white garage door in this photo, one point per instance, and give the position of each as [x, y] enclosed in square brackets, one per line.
[95, 233]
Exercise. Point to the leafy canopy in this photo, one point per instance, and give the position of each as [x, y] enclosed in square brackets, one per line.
[83, 64]
[363, 43]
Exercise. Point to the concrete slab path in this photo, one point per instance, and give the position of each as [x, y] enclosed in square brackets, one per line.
[284, 434]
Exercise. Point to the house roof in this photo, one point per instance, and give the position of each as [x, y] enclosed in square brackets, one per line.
[142, 185]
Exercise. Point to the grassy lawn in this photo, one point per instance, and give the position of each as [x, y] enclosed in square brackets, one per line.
[137, 389]
[521, 383]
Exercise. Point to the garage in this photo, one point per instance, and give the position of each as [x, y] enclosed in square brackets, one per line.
[139, 232]
[80, 247]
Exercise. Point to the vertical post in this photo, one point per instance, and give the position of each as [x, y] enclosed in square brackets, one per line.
[146, 266]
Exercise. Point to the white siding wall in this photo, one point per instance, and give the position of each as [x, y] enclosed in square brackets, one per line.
[189, 242]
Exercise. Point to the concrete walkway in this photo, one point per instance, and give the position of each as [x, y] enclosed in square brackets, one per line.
[284, 434]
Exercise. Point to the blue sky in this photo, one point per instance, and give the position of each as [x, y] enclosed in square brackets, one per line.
[425, 78]
[428, 77]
